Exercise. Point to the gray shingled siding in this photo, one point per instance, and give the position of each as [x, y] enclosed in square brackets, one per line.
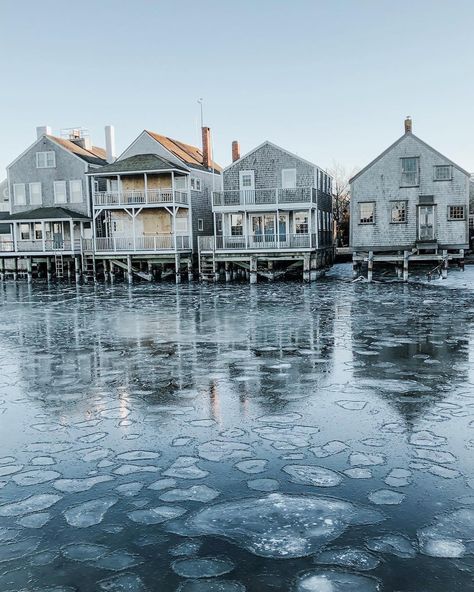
[268, 162]
[68, 167]
[201, 204]
[381, 184]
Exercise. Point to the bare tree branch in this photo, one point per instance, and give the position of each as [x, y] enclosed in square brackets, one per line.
[341, 197]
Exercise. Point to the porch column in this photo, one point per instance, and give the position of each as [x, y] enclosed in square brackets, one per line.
[133, 230]
[77, 269]
[43, 234]
[307, 267]
[253, 270]
[119, 190]
[129, 269]
[29, 269]
[71, 230]
[145, 184]
[277, 228]
[309, 229]
[370, 266]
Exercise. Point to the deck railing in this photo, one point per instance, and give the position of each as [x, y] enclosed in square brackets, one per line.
[40, 246]
[140, 197]
[156, 243]
[274, 196]
[263, 241]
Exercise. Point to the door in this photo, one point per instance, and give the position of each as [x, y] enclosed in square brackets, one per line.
[426, 222]
[247, 187]
[58, 237]
[283, 228]
[263, 229]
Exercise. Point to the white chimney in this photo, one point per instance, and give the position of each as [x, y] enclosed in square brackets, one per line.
[110, 143]
[43, 130]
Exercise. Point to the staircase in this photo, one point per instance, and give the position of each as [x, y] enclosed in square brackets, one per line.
[208, 268]
[59, 266]
[88, 267]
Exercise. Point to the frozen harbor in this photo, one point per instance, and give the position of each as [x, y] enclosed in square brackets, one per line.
[228, 438]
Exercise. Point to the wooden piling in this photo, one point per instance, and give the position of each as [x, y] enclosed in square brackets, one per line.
[406, 255]
[129, 269]
[253, 270]
[370, 266]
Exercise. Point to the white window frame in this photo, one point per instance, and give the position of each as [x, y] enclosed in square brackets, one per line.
[17, 199]
[196, 184]
[72, 193]
[365, 219]
[57, 184]
[299, 224]
[404, 179]
[438, 167]
[181, 224]
[118, 226]
[288, 183]
[456, 217]
[248, 173]
[200, 225]
[43, 156]
[394, 207]
[31, 189]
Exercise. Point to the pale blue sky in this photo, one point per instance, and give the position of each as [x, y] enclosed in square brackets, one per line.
[330, 80]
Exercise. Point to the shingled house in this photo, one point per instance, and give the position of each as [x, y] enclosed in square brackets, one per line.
[273, 216]
[50, 205]
[410, 204]
[151, 204]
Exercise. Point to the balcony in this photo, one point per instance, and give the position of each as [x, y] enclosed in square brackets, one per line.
[264, 197]
[130, 244]
[140, 197]
[273, 242]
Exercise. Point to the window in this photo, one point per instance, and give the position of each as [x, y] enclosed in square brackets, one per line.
[180, 183]
[301, 222]
[25, 231]
[399, 212]
[45, 160]
[200, 224]
[19, 194]
[117, 226]
[247, 179]
[75, 191]
[35, 193]
[38, 231]
[236, 225]
[181, 224]
[195, 184]
[410, 171]
[443, 172]
[366, 213]
[219, 224]
[60, 192]
[288, 178]
[456, 213]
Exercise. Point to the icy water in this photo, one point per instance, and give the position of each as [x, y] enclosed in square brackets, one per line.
[228, 438]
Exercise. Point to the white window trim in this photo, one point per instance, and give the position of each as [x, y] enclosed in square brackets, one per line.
[15, 196]
[438, 166]
[241, 176]
[55, 184]
[287, 171]
[46, 166]
[195, 181]
[361, 203]
[40, 193]
[200, 225]
[71, 194]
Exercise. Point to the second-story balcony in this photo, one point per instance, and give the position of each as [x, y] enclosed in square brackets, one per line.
[141, 197]
[258, 198]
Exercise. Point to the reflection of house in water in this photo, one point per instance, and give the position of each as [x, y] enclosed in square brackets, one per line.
[408, 353]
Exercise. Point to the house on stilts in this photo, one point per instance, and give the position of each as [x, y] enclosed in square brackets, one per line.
[272, 217]
[409, 205]
[49, 204]
[150, 206]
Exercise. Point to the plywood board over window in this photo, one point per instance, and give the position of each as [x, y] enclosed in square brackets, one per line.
[156, 222]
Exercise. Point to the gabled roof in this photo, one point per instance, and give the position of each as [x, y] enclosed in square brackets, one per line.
[139, 162]
[268, 143]
[190, 155]
[95, 155]
[405, 135]
[49, 213]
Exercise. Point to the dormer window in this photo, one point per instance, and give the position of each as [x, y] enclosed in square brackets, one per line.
[45, 160]
[410, 172]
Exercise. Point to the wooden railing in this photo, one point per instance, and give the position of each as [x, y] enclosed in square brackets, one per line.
[274, 196]
[257, 242]
[159, 242]
[40, 246]
[140, 197]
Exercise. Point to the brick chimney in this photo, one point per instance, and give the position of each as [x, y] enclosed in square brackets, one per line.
[235, 150]
[408, 125]
[206, 147]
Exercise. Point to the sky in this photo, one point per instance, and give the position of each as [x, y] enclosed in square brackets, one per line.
[331, 81]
